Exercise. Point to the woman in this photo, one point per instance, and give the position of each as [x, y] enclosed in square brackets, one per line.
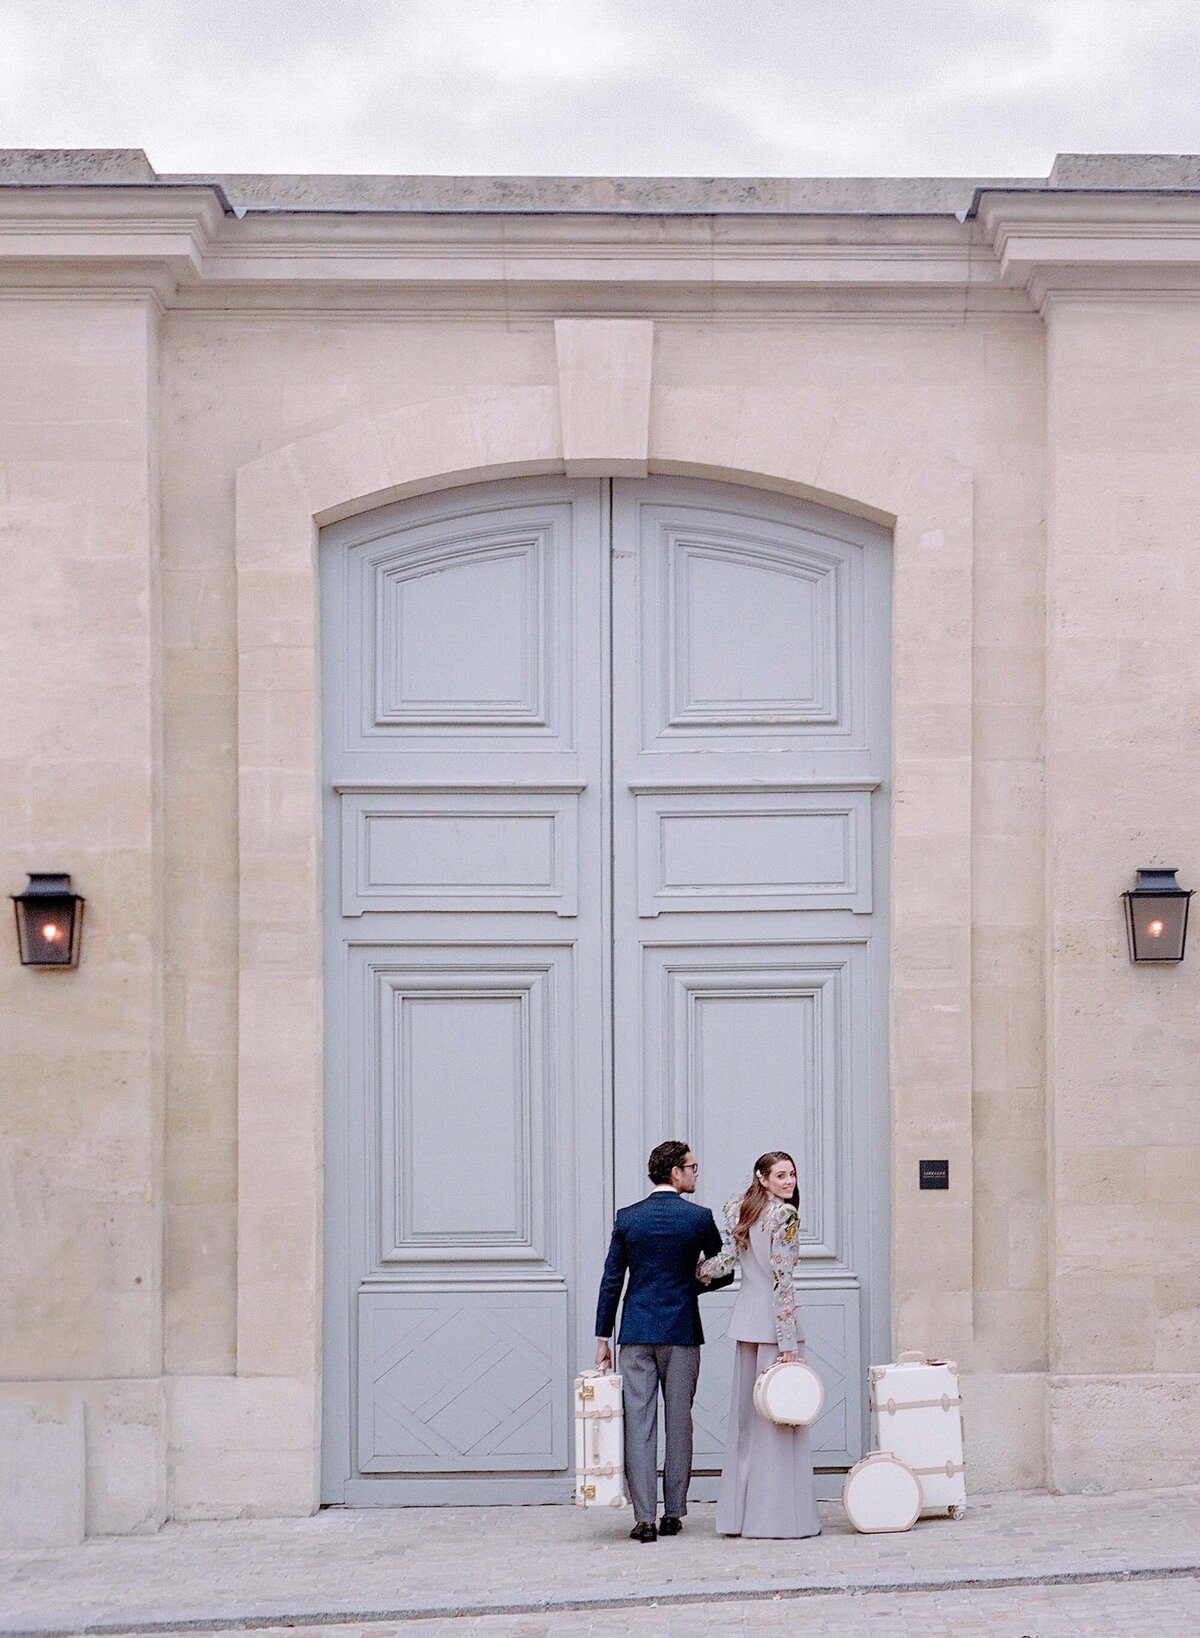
[767, 1486]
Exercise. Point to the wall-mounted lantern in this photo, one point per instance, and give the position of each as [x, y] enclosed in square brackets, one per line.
[49, 921]
[1156, 914]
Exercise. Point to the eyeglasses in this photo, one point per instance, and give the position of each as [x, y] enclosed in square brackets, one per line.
[690, 1166]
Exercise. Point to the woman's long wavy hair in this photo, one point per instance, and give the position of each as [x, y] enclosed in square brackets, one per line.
[754, 1201]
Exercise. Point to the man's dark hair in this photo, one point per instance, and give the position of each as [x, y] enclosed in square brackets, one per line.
[665, 1158]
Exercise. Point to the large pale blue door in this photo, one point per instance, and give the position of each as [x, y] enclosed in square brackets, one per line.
[750, 763]
[604, 806]
[467, 1133]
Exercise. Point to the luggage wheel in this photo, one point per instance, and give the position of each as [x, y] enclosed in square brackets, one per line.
[957, 1511]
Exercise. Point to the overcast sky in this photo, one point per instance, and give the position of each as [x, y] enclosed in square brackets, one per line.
[675, 87]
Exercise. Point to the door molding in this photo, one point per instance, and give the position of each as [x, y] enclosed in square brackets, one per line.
[768, 441]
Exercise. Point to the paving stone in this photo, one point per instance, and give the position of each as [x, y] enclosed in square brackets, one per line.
[1147, 1609]
[514, 1565]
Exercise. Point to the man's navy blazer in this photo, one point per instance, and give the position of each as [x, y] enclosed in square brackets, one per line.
[658, 1242]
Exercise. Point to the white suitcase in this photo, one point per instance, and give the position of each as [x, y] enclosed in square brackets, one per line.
[599, 1440]
[916, 1414]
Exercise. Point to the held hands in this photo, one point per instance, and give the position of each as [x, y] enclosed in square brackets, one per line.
[603, 1355]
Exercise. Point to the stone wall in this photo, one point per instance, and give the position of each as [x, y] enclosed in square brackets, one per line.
[1016, 394]
[81, 1116]
[1123, 771]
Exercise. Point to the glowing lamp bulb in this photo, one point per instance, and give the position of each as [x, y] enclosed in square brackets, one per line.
[50, 932]
[1155, 929]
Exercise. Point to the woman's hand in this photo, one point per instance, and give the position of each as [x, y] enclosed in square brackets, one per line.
[789, 1356]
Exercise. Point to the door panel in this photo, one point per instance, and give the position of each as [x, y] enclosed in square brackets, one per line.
[751, 627]
[753, 849]
[474, 849]
[746, 1041]
[460, 1042]
[750, 756]
[462, 1383]
[462, 626]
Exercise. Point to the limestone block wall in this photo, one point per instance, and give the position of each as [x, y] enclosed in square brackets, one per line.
[1123, 770]
[1033, 445]
[239, 1425]
[974, 391]
[81, 1112]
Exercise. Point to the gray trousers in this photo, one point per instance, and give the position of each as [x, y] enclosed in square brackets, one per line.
[645, 1368]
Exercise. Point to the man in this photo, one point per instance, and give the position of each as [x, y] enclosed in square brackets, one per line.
[659, 1241]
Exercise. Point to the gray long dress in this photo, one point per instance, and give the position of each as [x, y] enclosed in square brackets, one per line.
[767, 1486]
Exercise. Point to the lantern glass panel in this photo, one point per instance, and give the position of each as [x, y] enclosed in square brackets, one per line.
[1157, 925]
[49, 922]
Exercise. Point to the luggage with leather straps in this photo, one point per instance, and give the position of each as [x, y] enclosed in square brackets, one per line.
[916, 1414]
[599, 1440]
[790, 1393]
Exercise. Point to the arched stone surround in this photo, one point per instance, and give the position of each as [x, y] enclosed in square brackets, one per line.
[603, 415]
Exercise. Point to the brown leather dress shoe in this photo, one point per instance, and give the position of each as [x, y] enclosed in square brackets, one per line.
[643, 1532]
[669, 1525]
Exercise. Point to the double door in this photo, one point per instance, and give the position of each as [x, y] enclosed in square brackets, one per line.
[605, 862]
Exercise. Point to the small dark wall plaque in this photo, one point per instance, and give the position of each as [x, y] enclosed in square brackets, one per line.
[935, 1174]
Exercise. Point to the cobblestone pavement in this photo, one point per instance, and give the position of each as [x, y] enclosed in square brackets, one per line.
[1149, 1609]
[519, 1563]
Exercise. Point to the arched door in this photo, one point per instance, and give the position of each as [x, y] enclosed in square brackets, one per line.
[605, 851]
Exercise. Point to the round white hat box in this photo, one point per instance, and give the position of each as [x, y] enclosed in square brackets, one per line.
[790, 1393]
[882, 1493]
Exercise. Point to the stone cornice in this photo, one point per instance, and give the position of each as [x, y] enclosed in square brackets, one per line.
[1060, 244]
[185, 246]
[181, 242]
[91, 222]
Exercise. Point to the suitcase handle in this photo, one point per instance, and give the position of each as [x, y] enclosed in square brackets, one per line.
[912, 1356]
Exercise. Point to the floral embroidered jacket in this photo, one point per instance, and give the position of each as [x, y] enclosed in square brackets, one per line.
[781, 1224]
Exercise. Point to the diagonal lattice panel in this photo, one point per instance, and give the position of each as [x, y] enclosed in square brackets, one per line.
[476, 1392]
